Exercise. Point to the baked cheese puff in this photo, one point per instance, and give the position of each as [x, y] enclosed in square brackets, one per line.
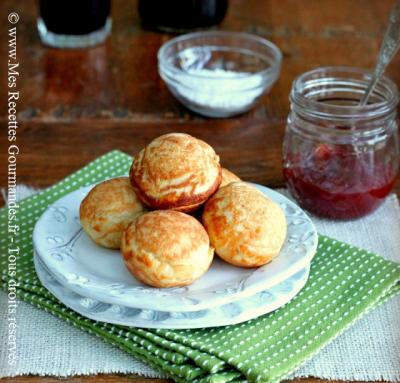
[166, 248]
[108, 209]
[227, 177]
[176, 171]
[246, 228]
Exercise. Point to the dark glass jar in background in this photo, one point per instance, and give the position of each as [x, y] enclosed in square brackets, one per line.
[181, 15]
[74, 23]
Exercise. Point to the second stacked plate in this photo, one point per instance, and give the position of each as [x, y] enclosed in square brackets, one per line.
[94, 281]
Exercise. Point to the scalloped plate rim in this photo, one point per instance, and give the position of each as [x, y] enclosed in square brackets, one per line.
[173, 323]
[175, 301]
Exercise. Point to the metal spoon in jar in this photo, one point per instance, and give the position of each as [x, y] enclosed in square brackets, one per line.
[389, 47]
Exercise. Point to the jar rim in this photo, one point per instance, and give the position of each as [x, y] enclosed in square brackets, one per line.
[319, 76]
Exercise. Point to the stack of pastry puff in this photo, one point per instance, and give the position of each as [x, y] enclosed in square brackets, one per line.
[151, 215]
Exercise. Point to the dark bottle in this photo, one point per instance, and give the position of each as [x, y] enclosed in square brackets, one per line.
[181, 15]
[74, 23]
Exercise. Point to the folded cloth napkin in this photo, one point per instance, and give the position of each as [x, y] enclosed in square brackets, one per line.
[345, 282]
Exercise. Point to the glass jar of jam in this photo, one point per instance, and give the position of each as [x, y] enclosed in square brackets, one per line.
[341, 159]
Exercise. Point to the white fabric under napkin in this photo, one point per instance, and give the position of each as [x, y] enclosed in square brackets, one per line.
[370, 350]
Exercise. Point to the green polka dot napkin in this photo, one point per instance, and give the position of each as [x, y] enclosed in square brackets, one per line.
[345, 282]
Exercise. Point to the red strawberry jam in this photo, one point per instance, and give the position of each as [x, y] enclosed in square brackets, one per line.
[336, 182]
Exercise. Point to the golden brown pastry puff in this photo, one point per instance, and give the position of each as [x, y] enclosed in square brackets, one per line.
[176, 171]
[166, 248]
[108, 209]
[246, 228]
[228, 177]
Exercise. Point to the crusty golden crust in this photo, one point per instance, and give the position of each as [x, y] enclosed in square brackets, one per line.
[108, 209]
[175, 171]
[227, 177]
[246, 228]
[166, 248]
[185, 204]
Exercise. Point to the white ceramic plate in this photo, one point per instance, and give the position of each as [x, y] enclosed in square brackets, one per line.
[98, 273]
[227, 314]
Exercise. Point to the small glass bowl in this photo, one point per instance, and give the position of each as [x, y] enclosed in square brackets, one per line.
[219, 73]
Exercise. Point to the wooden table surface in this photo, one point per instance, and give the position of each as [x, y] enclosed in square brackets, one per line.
[77, 105]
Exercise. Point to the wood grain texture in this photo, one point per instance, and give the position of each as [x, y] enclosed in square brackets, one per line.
[119, 79]
[76, 105]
